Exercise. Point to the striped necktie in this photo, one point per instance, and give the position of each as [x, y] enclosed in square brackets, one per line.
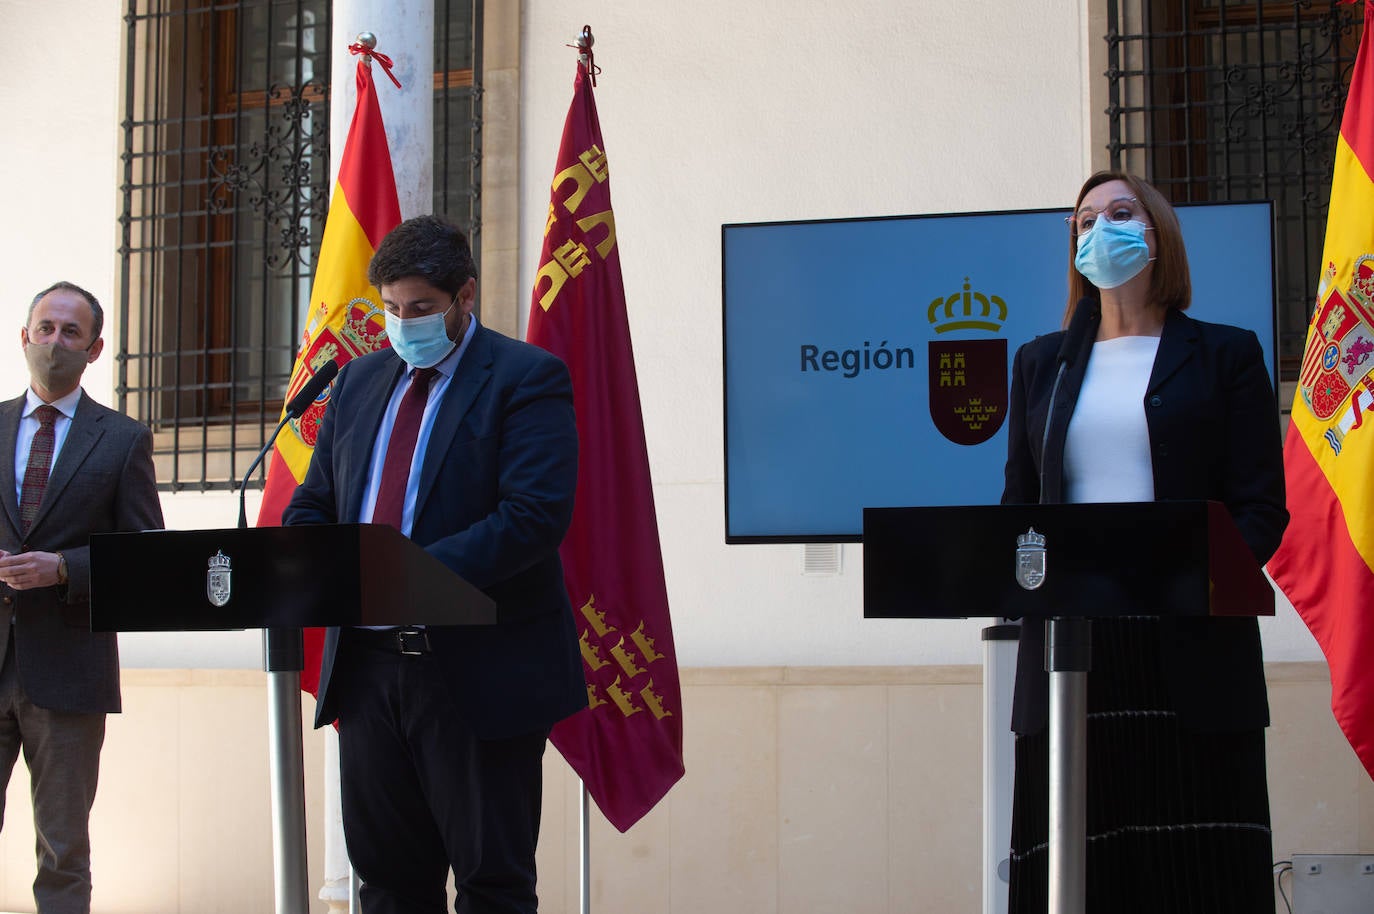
[40, 462]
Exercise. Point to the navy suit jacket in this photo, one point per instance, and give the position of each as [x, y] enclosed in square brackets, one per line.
[495, 499]
[1214, 434]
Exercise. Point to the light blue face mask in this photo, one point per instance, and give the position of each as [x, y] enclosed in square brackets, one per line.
[422, 341]
[1112, 253]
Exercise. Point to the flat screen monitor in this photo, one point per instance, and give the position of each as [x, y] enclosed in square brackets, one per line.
[850, 346]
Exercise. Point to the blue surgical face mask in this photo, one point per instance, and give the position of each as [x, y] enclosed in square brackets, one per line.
[422, 341]
[1112, 253]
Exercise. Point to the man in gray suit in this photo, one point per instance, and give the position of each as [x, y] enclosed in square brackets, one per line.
[70, 468]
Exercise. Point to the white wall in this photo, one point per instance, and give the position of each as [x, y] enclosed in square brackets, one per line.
[712, 112]
[719, 111]
[59, 159]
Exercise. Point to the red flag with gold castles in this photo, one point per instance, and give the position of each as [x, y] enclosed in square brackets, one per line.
[627, 746]
[1325, 564]
[346, 315]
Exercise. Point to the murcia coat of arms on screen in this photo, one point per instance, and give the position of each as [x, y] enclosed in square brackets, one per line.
[968, 377]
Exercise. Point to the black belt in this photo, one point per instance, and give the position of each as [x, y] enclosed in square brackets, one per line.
[408, 641]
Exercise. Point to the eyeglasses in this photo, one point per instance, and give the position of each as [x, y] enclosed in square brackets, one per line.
[1122, 209]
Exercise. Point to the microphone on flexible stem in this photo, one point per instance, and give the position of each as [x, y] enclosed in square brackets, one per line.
[299, 403]
[307, 394]
[1068, 639]
[1079, 326]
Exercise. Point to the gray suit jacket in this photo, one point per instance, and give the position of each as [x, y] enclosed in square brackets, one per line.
[103, 482]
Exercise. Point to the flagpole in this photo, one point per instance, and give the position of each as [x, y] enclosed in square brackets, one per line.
[339, 285]
[584, 853]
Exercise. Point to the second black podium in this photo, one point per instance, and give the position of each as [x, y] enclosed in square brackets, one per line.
[1064, 564]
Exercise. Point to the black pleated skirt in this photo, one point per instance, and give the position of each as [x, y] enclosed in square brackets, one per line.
[1178, 821]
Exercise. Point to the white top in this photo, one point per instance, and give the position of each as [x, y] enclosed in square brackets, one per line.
[1107, 451]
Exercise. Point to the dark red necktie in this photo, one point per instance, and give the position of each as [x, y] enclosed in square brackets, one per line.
[400, 450]
[40, 462]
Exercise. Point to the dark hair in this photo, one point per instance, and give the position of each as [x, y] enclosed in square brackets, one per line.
[64, 286]
[429, 247]
[1170, 285]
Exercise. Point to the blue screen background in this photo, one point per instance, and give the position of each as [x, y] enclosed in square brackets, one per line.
[807, 451]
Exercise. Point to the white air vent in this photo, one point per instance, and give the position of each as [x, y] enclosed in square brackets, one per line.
[821, 558]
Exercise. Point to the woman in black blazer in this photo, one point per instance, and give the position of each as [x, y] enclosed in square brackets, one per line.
[1154, 406]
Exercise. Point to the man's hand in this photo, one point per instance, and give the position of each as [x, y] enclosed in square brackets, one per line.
[27, 570]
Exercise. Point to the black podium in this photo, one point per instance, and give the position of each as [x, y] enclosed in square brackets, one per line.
[1064, 564]
[274, 577]
[279, 579]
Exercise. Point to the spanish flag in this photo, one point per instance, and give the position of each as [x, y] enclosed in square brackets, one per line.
[346, 315]
[627, 745]
[1325, 565]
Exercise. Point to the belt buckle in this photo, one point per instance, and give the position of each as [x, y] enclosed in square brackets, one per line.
[412, 642]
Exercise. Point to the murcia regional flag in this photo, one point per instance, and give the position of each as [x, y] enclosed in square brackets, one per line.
[346, 315]
[1325, 565]
[627, 746]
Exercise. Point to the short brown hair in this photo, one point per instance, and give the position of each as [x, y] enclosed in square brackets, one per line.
[429, 247]
[97, 314]
[1170, 285]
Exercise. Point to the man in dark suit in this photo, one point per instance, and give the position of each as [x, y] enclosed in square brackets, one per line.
[465, 441]
[72, 468]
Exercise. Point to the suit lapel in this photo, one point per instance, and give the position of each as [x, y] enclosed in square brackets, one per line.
[1177, 345]
[81, 439]
[472, 374]
[10, 411]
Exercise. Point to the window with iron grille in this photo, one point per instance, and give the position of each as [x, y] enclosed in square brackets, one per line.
[1232, 100]
[225, 189]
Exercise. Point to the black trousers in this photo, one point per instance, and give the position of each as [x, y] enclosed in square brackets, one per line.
[423, 795]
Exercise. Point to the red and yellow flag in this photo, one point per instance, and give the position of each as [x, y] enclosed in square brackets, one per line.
[627, 746]
[1325, 565]
[346, 315]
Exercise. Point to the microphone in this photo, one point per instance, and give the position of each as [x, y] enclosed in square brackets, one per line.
[299, 403]
[307, 394]
[1074, 337]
